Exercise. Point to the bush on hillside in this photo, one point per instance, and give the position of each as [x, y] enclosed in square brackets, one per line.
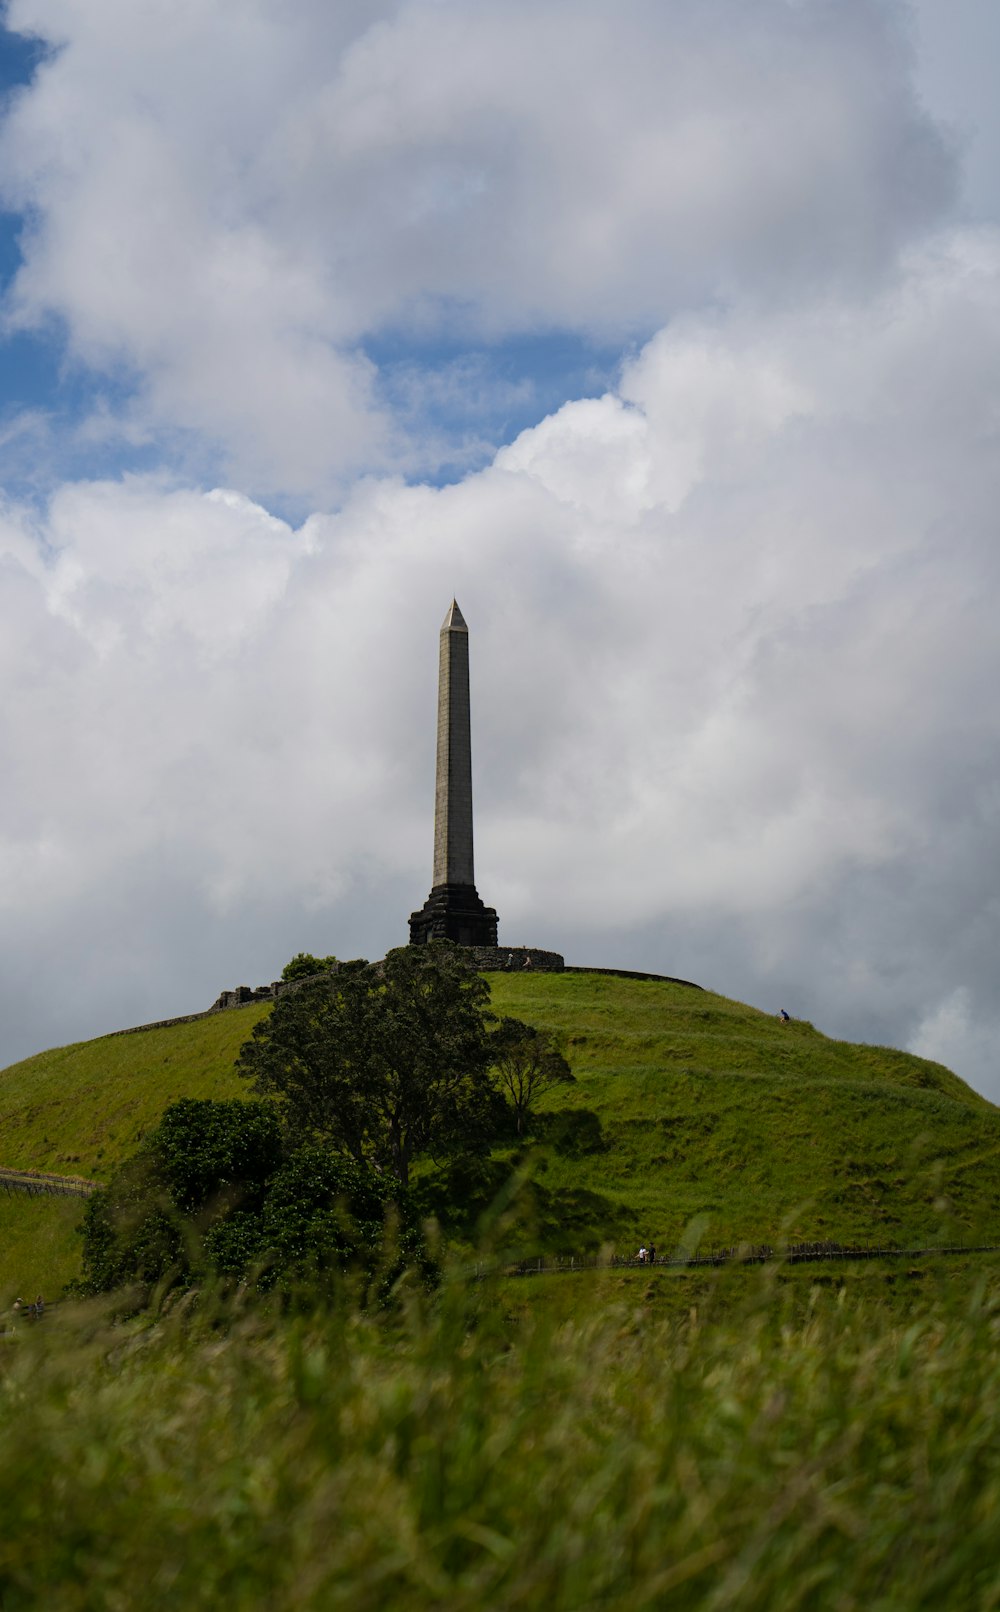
[322, 1215]
[215, 1190]
[303, 965]
[131, 1229]
[204, 1146]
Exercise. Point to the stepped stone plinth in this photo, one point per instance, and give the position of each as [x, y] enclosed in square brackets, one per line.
[454, 912]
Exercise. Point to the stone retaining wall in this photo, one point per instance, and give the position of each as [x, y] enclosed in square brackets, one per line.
[239, 997]
[512, 959]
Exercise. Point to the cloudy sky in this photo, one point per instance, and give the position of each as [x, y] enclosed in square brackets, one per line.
[664, 334]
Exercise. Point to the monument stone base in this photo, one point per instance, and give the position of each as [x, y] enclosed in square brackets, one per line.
[454, 912]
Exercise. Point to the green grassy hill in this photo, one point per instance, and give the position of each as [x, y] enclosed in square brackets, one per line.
[81, 1109]
[689, 1105]
[686, 1107]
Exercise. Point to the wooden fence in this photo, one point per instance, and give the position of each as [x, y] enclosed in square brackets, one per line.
[38, 1183]
[796, 1254]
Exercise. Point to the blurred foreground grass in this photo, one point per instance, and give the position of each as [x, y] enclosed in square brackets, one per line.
[750, 1439]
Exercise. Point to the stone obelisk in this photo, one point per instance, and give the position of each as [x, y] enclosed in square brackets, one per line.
[453, 910]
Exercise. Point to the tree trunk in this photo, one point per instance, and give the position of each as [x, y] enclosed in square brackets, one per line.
[400, 1153]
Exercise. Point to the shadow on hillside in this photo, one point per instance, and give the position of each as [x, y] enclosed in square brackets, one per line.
[499, 1201]
[572, 1132]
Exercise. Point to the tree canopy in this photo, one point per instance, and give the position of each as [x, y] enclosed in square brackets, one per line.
[526, 1061]
[203, 1145]
[385, 1063]
[203, 1158]
[215, 1187]
[303, 965]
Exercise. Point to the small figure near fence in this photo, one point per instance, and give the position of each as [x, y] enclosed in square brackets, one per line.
[786, 1018]
[651, 1255]
[643, 1255]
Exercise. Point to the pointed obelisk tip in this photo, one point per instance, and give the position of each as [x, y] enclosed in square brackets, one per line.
[454, 621]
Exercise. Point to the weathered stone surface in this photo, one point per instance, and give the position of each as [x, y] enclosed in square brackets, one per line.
[454, 910]
[453, 859]
[515, 959]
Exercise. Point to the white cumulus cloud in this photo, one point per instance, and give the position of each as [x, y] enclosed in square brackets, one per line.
[731, 676]
[225, 201]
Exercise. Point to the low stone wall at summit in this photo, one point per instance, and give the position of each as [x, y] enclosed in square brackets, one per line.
[487, 959]
[512, 959]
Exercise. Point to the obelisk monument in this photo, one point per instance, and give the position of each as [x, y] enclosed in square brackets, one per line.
[453, 910]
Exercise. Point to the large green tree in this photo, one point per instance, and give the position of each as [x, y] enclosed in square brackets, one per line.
[385, 1063]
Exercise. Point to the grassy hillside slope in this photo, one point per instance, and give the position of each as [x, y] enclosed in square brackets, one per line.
[80, 1109]
[685, 1105]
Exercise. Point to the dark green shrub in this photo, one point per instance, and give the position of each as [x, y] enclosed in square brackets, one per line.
[131, 1229]
[138, 1228]
[323, 1213]
[212, 1190]
[304, 964]
[203, 1146]
[234, 1244]
[461, 1191]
